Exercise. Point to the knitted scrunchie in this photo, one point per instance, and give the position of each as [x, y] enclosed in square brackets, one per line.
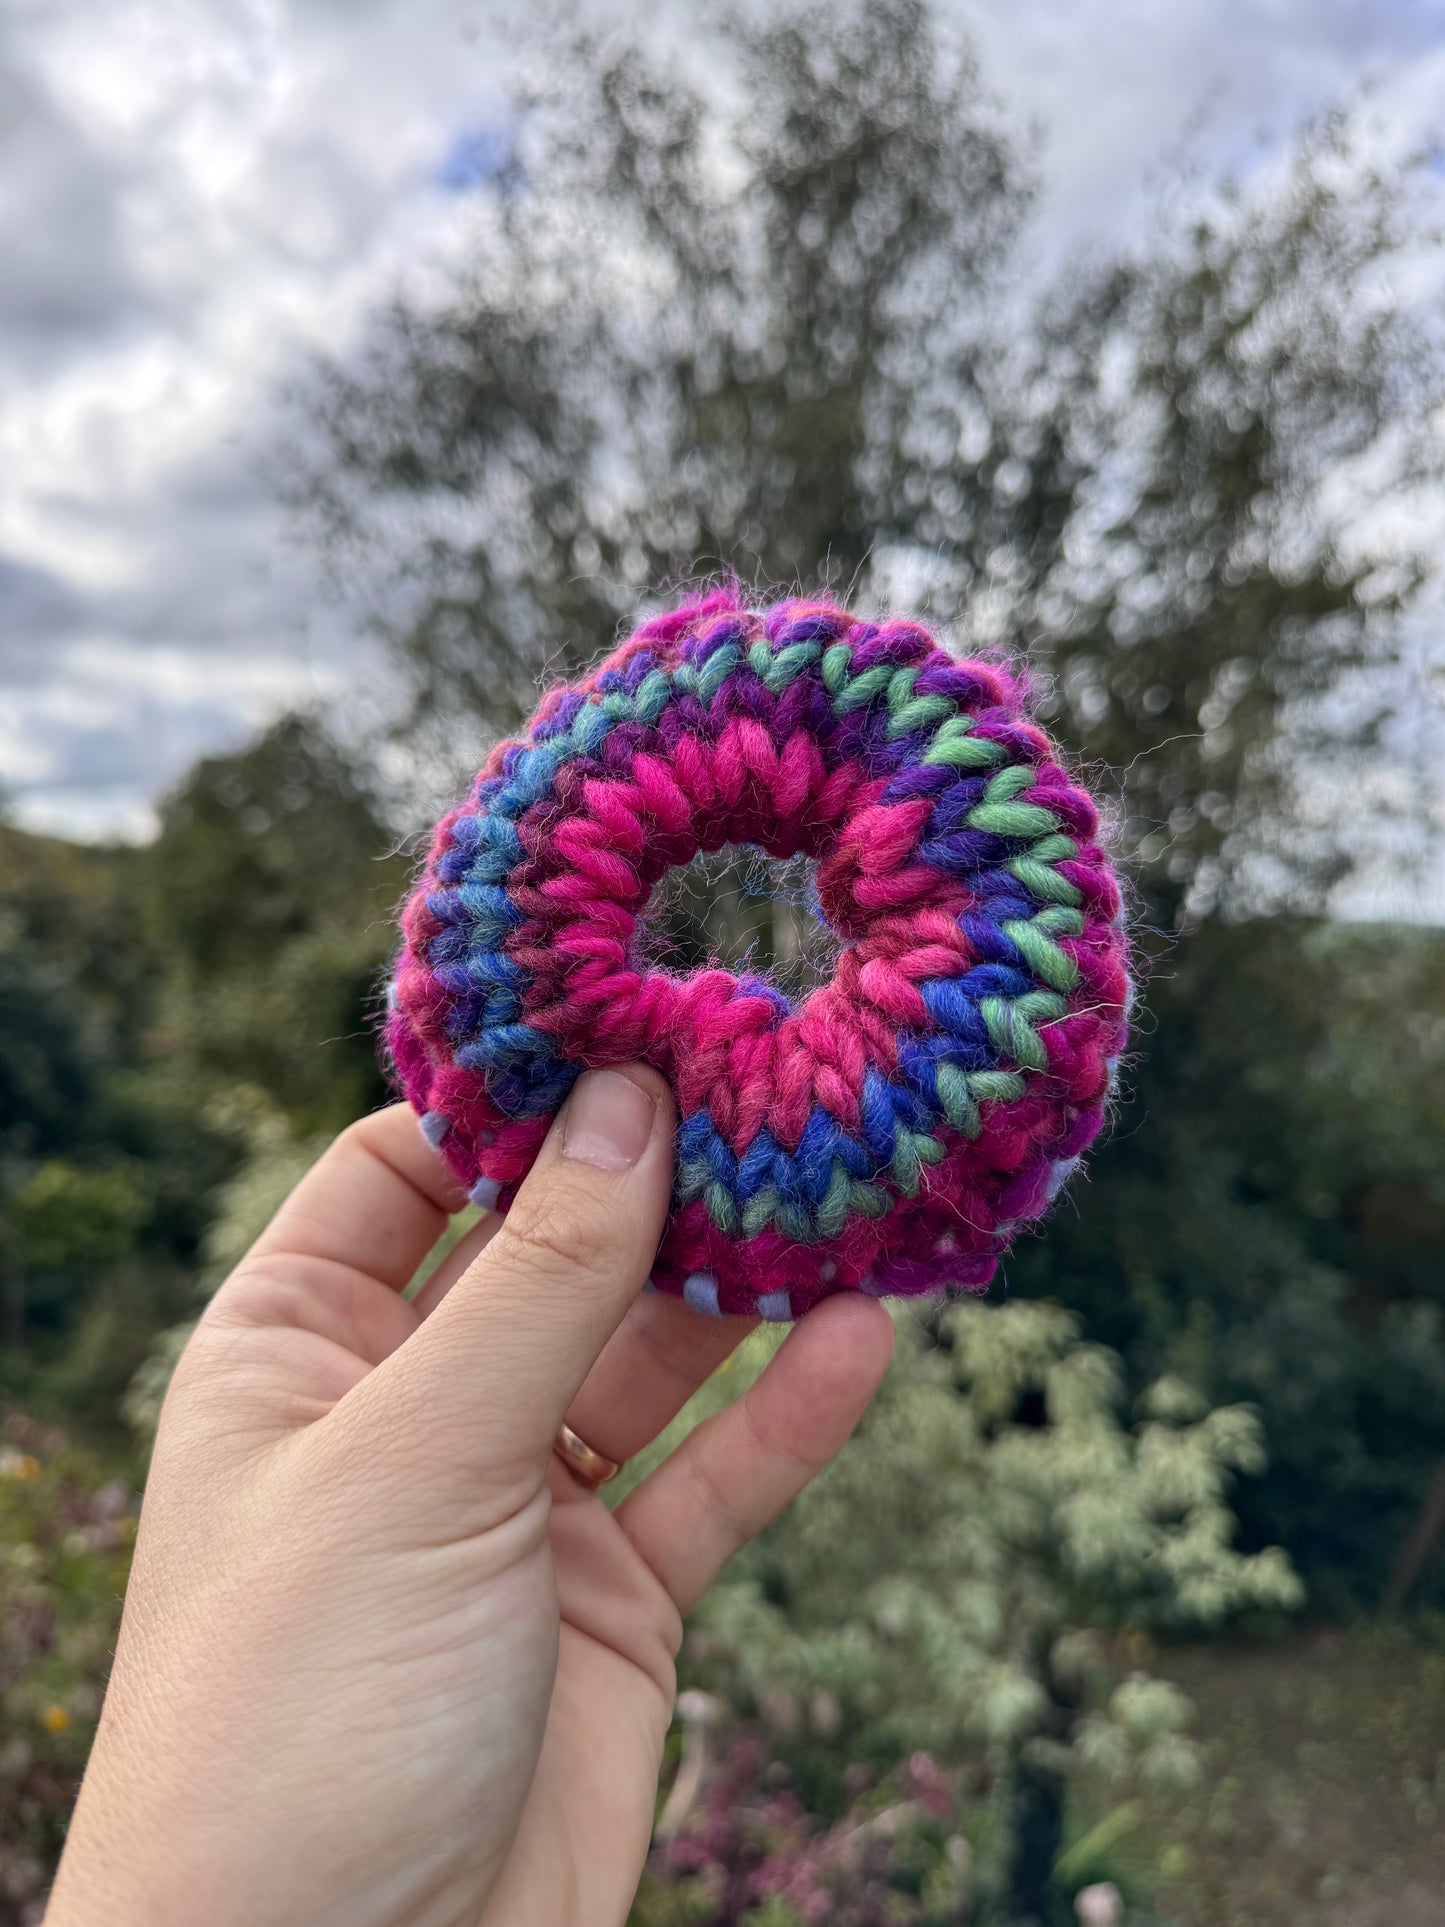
[892, 1130]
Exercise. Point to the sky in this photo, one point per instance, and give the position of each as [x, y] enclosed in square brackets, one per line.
[196, 194]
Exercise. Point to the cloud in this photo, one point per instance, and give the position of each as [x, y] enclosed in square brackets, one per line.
[1127, 91]
[188, 200]
[67, 281]
[191, 198]
[36, 608]
[68, 767]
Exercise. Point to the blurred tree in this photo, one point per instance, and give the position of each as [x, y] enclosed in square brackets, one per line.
[764, 323]
[72, 981]
[1180, 508]
[275, 1161]
[1269, 1221]
[65, 1216]
[139, 989]
[103, 1172]
[269, 894]
[64, 1224]
[689, 319]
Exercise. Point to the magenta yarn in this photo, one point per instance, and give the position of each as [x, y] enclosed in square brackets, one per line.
[893, 1129]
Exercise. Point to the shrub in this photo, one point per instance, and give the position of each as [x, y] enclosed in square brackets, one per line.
[65, 1537]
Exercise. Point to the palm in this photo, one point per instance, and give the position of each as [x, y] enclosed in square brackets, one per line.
[588, 1816]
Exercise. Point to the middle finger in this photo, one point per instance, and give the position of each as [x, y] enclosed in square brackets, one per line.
[646, 1372]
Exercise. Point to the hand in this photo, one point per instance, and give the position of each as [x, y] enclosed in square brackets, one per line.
[384, 1662]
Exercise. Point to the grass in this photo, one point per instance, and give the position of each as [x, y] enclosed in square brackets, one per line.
[1323, 1796]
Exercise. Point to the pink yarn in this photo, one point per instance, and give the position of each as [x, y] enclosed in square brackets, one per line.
[892, 1130]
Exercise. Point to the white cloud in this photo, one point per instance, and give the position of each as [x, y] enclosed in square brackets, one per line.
[193, 195]
[1127, 90]
[189, 196]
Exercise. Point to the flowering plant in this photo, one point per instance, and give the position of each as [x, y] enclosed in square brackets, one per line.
[65, 1537]
[748, 1852]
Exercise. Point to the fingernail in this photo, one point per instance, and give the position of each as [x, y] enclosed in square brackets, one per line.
[608, 1121]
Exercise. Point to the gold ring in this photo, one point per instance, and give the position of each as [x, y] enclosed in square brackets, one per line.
[586, 1464]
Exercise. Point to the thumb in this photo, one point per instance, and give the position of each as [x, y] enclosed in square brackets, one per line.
[481, 1387]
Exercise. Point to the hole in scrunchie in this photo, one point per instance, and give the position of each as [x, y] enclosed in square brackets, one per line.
[753, 914]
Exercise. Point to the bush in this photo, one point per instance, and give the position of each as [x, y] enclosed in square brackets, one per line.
[749, 1851]
[977, 1578]
[65, 1537]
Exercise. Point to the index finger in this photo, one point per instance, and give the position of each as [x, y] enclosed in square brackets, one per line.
[376, 1201]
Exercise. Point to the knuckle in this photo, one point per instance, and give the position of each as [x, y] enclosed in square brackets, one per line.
[562, 1237]
[712, 1498]
[359, 1134]
[259, 1294]
[767, 1446]
[658, 1648]
[675, 1348]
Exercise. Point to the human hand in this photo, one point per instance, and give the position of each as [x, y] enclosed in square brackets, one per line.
[384, 1661]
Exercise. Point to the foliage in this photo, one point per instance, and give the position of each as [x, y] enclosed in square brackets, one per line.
[275, 1161]
[71, 970]
[769, 324]
[66, 1217]
[751, 1853]
[959, 1580]
[1268, 1220]
[1188, 460]
[139, 988]
[65, 1536]
[269, 893]
[103, 1175]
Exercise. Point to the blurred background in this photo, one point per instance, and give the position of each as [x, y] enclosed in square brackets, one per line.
[363, 365]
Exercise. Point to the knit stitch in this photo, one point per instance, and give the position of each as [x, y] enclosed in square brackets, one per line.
[890, 1131]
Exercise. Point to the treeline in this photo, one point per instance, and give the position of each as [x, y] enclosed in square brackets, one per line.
[1266, 1220]
[157, 1004]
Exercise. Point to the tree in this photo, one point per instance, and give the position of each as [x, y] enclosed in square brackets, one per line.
[103, 1171]
[269, 894]
[1268, 1222]
[1188, 470]
[275, 1161]
[765, 324]
[139, 989]
[686, 325]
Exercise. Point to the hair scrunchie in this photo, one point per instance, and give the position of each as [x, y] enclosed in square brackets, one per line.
[893, 1129]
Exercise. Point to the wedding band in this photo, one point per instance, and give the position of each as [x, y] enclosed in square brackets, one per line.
[587, 1465]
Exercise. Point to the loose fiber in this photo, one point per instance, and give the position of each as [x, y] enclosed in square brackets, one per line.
[890, 1131]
